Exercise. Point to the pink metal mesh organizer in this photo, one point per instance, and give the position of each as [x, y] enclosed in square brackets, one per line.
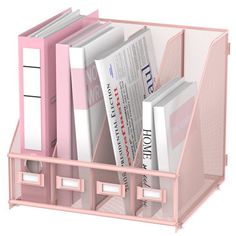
[198, 54]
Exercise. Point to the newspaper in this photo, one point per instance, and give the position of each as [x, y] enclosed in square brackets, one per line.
[127, 74]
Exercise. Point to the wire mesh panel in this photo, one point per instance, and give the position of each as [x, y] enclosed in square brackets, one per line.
[203, 159]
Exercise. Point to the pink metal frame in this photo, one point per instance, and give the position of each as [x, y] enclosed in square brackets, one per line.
[176, 220]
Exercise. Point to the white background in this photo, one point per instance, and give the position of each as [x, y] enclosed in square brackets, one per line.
[215, 217]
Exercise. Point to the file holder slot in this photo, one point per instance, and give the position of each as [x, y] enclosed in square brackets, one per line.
[203, 158]
[23, 179]
[37, 66]
[202, 164]
[156, 203]
[66, 147]
[103, 155]
[112, 193]
[171, 66]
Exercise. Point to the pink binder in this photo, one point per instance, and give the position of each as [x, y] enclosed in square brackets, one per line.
[37, 75]
[66, 143]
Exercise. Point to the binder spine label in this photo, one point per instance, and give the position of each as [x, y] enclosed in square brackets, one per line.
[32, 99]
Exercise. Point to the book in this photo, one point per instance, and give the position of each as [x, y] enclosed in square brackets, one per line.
[149, 151]
[88, 102]
[171, 118]
[127, 74]
[149, 143]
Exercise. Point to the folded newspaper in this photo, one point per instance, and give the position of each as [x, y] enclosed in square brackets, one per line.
[127, 74]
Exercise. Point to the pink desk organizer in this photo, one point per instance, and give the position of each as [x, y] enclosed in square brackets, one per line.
[198, 54]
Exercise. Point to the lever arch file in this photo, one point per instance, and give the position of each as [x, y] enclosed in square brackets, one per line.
[66, 139]
[37, 73]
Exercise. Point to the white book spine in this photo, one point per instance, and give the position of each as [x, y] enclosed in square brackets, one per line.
[82, 120]
[161, 138]
[149, 157]
[81, 115]
[149, 150]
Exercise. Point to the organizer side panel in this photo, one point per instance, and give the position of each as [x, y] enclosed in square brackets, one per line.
[203, 159]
